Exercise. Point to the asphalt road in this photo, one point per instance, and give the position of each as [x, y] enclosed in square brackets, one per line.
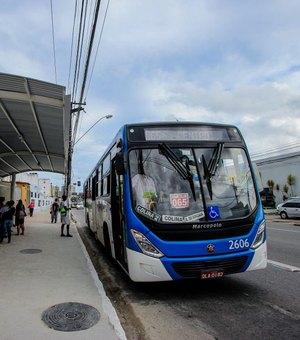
[263, 304]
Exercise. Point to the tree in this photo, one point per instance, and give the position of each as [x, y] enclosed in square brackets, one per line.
[291, 180]
[285, 192]
[270, 184]
[277, 187]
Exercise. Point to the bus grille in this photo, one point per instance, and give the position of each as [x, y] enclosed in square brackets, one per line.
[199, 235]
[193, 269]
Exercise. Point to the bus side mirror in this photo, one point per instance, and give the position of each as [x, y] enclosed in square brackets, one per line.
[120, 166]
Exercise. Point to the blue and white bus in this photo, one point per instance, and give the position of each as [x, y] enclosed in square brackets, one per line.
[179, 200]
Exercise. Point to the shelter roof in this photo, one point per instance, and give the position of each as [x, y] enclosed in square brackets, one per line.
[34, 125]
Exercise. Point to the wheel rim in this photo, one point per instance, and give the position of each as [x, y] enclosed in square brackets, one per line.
[283, 215]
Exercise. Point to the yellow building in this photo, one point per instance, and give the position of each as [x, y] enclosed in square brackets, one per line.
[22, 191]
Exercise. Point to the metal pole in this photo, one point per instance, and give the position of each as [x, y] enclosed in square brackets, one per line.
[12, 187]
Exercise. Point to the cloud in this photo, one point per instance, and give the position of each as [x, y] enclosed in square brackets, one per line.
[254, 109]
[231, 62]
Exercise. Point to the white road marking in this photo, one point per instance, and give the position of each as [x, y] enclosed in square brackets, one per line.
[291, 231]
[282, 311]
[284, 266]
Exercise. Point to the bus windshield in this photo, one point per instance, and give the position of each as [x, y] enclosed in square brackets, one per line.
[190, 185]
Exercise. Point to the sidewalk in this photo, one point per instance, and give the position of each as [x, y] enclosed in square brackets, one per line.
[42, 269]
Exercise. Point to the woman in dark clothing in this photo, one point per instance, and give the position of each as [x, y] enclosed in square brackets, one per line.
[20, 217]
[7, 219]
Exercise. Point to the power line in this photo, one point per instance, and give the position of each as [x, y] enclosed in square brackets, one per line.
[78, 53]
[87, 62]
[75, 112]
[53, 41]
[277, 149]
[100, 37]
[72, 42]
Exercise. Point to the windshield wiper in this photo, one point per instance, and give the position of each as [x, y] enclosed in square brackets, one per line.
[183, 169]
[211, 168]
[215, 159]
[207, 177]
[191, 179]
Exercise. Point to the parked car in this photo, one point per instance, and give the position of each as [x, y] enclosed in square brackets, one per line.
[79, 205]
[295, 198]
[289, 209]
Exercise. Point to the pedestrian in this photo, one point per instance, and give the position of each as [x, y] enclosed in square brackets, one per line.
[20, 217]
[65, 216]
[31, 208]
[2, 200]
[7, 218]
[3, 208]
[54, 210]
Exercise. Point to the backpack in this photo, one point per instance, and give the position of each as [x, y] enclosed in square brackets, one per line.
[22, 214]
[55, 207]
[8, 214]
[5, 214]
[63, 209]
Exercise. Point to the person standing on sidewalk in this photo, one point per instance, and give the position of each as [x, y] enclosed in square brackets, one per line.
[20, 217]
[54, 210]
[31, 208]
[65, 216]
[2, 200]
[7, 219]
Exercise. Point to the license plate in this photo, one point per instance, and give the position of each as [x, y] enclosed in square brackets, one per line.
[212, 274]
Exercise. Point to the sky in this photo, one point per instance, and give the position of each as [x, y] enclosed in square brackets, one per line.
[234, 62]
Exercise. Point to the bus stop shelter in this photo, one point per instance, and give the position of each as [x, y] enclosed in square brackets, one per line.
[34, 126]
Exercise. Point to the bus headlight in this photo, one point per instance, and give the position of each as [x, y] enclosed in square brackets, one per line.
[260, 235]
[146, 246]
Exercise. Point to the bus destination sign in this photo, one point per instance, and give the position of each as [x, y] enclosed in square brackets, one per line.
[200, 133]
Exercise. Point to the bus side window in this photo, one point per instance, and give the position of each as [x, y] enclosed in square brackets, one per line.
[106, 185]
[94, 187]
[100, 181]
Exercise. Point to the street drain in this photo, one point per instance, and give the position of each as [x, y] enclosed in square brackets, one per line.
[71, 316]
[30, 251]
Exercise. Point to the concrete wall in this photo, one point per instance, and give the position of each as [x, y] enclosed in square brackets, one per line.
[277, 169]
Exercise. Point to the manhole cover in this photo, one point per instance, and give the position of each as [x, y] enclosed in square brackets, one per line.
[71, 316]
[30, 251]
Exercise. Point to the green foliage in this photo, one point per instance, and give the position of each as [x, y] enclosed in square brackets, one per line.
[286, 188]
[291, 180]
[270, 184]
[277, 187]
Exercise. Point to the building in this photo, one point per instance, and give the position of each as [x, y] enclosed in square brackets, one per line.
[277, 169]
[29, 187]
[22, 191]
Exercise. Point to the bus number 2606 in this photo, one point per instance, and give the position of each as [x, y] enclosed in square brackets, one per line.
[238, 244]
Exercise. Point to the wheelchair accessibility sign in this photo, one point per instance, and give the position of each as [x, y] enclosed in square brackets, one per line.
[213, 212]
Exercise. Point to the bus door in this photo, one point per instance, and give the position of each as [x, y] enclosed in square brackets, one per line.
[117, 213]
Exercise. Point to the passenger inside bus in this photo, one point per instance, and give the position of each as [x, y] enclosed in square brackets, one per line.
[144, 188]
